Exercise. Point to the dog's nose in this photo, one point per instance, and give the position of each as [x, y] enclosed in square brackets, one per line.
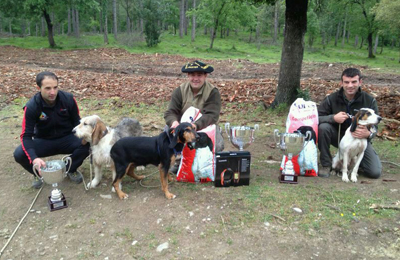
[74, 131]
[379, 118]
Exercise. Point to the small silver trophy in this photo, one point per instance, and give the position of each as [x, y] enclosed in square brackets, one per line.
[290, 144]
[54, 172]
[240, 136]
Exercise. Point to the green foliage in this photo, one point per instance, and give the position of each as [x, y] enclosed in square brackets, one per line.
[151, 29]
[304, 94]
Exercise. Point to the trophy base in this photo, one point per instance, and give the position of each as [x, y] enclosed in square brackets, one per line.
[56, 205]
[288, 178]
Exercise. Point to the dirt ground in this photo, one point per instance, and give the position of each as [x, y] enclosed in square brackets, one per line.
[200, 223]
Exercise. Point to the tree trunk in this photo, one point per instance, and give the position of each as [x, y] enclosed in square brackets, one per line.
[362, 42]
[205, 30]
[194, 22]
[181, 18]
[276, 22]
[105, 22]
[370, 50]
[37, 29]
[43, 27]
[376, 43]
[69, 21]
[216, 22]
[77, 33]
[105, 31]
[292, 52]
[128, 24]
[49, 29]
[337, 33]
[23, 28]
[344, 29]
[115, 19]
[73, 20]
[186, 20]
[52, 18]
[101, 22]
[356, 41]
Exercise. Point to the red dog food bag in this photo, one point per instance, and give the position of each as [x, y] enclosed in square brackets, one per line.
[303, 117]
[198, 165]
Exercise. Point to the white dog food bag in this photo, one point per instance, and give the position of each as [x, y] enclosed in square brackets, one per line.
[197, 165]
[303, 117]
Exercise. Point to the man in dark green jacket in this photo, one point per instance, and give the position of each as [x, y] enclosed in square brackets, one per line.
[198, 93]
[335, 114]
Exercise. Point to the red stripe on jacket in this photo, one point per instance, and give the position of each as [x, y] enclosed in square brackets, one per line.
[22, 136]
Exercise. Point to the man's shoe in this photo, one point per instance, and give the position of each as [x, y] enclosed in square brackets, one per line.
[75, 176]
[37, 183]
[324, 172]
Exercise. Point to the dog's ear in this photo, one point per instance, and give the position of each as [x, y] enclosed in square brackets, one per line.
[354, 123]
[99, 131]
[174, 132]
[174, 140]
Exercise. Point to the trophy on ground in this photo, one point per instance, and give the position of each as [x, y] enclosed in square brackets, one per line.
[233, 168]
[290, 144]
[240, 136]
[54, 172]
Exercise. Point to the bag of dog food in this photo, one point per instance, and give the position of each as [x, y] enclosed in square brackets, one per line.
[303, 117]
[197, 165]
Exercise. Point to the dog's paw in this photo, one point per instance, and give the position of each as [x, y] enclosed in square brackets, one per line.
[353, 178]
[140, 168]
[123, 195]
[170, 196]
[92, 184]
[345, 178]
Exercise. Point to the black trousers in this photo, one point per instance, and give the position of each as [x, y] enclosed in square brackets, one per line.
[69, 144]
[328, 135]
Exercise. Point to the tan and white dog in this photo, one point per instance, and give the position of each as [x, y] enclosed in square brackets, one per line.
[101, 138]
[351, 150]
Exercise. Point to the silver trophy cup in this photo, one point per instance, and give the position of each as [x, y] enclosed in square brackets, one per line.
[54, 172]
[240, 136]
[290, 144]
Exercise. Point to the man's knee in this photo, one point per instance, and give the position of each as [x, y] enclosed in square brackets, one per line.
[324, 128]
[19, 155]
[373, 171]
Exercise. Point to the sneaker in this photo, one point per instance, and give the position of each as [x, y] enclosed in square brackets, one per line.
[324, 172]
[37, 183]
[75, 176]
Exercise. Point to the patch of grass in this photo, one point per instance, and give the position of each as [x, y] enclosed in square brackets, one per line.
[234, 47]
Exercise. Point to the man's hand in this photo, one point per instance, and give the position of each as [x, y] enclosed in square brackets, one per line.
[174, 124]
[361, 132]
[340, 117]
[39, 164]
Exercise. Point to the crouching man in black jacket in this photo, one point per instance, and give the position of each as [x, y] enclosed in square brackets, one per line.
[336, 110]
[49, 117]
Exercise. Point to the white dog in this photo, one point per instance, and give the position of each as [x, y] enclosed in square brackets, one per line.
[102, 138]
[351, 150]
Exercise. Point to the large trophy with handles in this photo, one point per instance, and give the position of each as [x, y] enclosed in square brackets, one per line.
[54, 172]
